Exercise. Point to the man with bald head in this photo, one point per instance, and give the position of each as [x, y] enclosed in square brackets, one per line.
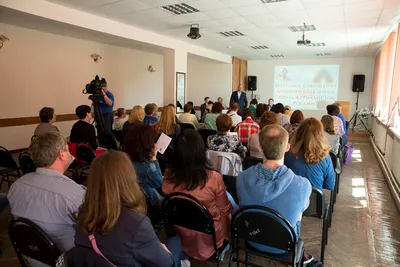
[271, 184]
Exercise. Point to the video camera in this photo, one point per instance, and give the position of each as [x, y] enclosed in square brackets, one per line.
[95, 86]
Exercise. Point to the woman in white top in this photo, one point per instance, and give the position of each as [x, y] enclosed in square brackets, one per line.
[267, 118]
[334, 112]
[333, 138]
[282, 118]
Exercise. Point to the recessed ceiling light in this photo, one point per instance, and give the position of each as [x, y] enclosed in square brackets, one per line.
[179, 9]
[259, 47]
[231, 33]
[316, 44]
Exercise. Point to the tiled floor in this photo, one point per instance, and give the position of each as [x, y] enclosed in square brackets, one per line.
[365, 230]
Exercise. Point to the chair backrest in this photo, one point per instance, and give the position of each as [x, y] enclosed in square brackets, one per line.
[26, 163]
[263, 226]
[251, 161]
[81, 256]
[29, 240]
[230, 183]
[205, 133]
[233, 129]
[6, 159]
[335, 162]
[84, 153]
[317, 206]
[185, 126]
[186, 211]
[225, 162]
[117, 135]
[107, 140]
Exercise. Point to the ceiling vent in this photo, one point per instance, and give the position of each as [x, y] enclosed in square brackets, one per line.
[259, 47]
[316, 44]
[179, 9]
[324, 54]
[231, 33]
[276, 56]
[302, 28]
[272, 1]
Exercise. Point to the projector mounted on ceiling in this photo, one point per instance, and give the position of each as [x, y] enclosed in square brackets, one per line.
[303, 40]
[194, 32]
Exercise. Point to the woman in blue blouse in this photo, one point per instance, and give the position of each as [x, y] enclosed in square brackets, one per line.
[309, 155]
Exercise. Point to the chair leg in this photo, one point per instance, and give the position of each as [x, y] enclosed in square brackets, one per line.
[338, 183]
[230, 259]
[247, 259]
[8, 181]
[324, 240]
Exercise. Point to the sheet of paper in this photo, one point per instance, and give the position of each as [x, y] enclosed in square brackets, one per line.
[163, 143]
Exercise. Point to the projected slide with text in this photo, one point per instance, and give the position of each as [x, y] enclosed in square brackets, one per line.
[310, 87]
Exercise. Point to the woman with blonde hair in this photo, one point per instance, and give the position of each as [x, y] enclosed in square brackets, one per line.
[167, 122]
[330, 134]
[136, 116]
[309, 155]
[288, 110]
[112, 220]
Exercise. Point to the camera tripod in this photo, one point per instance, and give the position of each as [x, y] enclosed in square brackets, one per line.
[356, 116]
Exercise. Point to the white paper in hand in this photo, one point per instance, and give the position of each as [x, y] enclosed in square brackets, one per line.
[163, 143]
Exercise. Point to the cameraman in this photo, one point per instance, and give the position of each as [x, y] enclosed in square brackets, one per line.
[106, 104]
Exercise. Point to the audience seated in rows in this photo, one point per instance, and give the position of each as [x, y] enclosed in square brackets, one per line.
[247, 127]
[282, 118]
[334, 110]
[188, 117]
[261, 108]
[210, 119]
[253, 107]
[268, 118]
[192, 174]
[330, 134]
[120, 120]
[135, 117]
[288, 110]
[341, 117]
[47, 118]
[233, 113]
[82, 130]
[273, 185]
[47, 197]
[112, 216]
[309, 155]
[151, 111]
[203, 107]
[139, 144]
[223, 141]
[295, 120]
[194, 111]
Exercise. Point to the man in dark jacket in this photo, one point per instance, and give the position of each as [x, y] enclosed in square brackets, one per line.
[239, 97]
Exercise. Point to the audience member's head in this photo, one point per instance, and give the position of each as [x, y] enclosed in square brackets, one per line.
[150, 109]
[339, 105]
[328, 123]
[333, 110]
[234, 106]
[309, 140]
[190, 165]
[261, 108]
[279, 108]
[224, 123]
[253, 102]
[220, 100]
[206, 99]
[50, 150]
[187, 108]
[139, 142]
[288, 110]
[247, 113]
[274, 142]
[137, 114]
[47, 115]
[121, 113]
[268, 118]
[167, 123]
[172, 105]
[83, 112]
[217, 108]
[270, 102]
[112, 188]
[297, 117]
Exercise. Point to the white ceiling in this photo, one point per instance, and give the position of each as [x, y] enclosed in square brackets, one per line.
[347, 27]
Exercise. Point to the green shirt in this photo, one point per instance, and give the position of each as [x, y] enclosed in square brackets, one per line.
[210, 120]
[253, 109]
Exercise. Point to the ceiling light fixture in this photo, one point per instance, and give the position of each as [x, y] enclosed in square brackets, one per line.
[179, 9]
[272, 1]
[259, 47]
[231, 33]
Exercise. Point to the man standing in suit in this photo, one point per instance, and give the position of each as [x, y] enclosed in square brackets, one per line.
[239, 97]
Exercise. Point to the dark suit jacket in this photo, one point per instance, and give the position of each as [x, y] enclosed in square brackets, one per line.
[272, 108]
[242, 101]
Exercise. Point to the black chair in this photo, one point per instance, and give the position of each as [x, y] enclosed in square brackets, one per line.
[117, 135]
[266, 227]
[205, 133]
[251, 161]
[154, 213]
[26, 163]
[8, 167]
[29, 240]
[186, 211]
[185, 126]
[81, 256]
[332, 200]
[233, 129]
[318, 208]
[84, 156]
[230, 183]
[107, 140]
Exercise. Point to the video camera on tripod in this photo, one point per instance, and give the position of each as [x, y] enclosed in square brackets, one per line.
[95, 89]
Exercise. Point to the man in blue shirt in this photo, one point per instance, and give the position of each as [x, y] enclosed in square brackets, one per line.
[106, 104]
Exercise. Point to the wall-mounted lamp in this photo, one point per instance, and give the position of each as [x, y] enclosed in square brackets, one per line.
[2, 40]
[95, 57]
[150, 69]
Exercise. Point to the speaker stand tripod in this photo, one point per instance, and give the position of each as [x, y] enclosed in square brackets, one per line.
[356, 116]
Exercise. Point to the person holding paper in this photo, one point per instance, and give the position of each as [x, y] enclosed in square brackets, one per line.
[140, 145]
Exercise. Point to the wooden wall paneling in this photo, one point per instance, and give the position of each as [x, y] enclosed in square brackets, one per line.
[243, 73]
[345, 109]
[235, 73]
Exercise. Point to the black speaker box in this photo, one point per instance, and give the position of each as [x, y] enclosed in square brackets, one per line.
[358, 83]
[252, 83]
